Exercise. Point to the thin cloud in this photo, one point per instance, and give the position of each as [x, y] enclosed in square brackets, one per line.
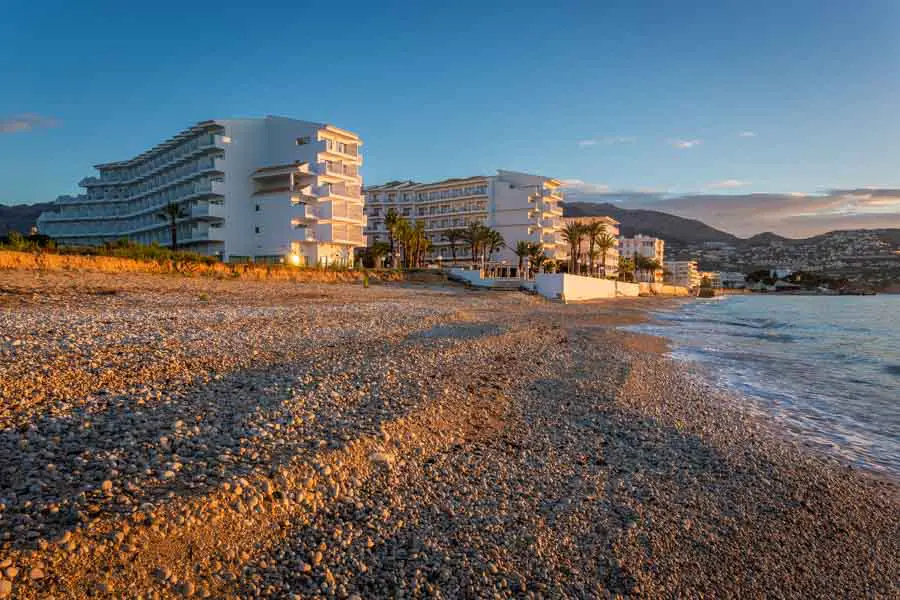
[684, 144]
[747, 134]
[728, 184]
[608, 140]
[26, 122]
[579, 186]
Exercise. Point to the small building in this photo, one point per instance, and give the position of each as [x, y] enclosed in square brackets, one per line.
[684, 273]
[648, 247]
[733, 280]
[713, 277]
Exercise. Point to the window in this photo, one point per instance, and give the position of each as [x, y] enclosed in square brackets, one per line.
[302, 141]
[257, 210]
[256, 229]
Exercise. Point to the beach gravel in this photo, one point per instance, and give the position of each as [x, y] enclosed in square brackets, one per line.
[170, 437]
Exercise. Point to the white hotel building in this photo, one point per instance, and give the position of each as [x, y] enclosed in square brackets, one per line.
[647, 246]
[268, 189]
[518, 205]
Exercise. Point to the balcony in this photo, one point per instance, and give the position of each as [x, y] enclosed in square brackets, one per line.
[340, 210]
[305, 212]
[208, 211]
[303, 233]
[337, 169]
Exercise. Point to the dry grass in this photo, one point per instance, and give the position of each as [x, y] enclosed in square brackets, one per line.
[39, 261]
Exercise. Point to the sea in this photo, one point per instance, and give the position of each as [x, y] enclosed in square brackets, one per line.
[826, 367]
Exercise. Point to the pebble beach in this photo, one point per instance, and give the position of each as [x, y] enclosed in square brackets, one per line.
[169, 437]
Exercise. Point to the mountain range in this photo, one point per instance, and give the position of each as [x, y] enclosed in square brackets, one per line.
[680, 232]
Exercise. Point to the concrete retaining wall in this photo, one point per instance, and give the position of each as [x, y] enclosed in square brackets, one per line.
[663, 289]
[574, 288]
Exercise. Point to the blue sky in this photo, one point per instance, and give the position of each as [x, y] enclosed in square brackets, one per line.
[676, 97]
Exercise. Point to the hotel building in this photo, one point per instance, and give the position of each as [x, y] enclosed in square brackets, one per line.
[644, 245]
[518, 205]
[684, 273]
[268, 189]
[612, 255]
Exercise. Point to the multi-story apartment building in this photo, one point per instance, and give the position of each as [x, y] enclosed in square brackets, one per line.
[647, 246]
[714, 278]
[612, 255]
[518, 205]
[684, 273]
[269, 189]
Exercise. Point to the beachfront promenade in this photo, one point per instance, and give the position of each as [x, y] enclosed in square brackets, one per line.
[167, 436]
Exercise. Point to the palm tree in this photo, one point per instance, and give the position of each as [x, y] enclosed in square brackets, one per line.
[171, 212]
[653, 265]
[419, 243]
[493, 242]
[605, 242]
[474, 237]
[572, 234]
[454, 236]
[536, 256]
[378, 250]
[522, 251]
[403, 233]
[390, 223]
[593, 230]
[626, 268]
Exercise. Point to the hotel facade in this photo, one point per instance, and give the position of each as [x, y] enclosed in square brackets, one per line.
[269, 189]
[520, 206]
[647, 246]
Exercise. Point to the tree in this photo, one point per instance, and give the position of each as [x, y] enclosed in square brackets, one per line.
[390, 222]
[493, 242]
[653, 265]
[454, 236]
[171, 212]
[536, 256]
[419, 243]
[626, 268]
[403, 235]
[377, 251]
[593, 231]
[572, 234]
[522, 251]
[474, 237]
[605, 242]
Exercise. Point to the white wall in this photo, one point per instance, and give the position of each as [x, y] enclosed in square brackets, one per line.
[575, 288]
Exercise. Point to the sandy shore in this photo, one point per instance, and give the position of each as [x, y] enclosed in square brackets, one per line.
[163, 437]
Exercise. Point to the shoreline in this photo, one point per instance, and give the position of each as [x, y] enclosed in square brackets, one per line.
[263, 439]
[771, 414]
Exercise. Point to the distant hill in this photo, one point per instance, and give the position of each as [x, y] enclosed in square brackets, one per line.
[673, 229]
[682, 233]
[20, 217]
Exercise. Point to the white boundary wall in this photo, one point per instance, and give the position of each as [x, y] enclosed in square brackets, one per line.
[574, 288]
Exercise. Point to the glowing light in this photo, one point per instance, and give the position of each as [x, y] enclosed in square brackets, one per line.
[295, 260]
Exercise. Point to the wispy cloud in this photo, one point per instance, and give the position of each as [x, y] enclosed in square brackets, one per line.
[747, 134]
[26, 122]
[607, 140]
[579, 186]
[684, 144]
[728, 184]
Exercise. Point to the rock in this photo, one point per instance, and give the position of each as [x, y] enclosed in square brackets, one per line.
[5, 588]
[106, 486]
[36, 573]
